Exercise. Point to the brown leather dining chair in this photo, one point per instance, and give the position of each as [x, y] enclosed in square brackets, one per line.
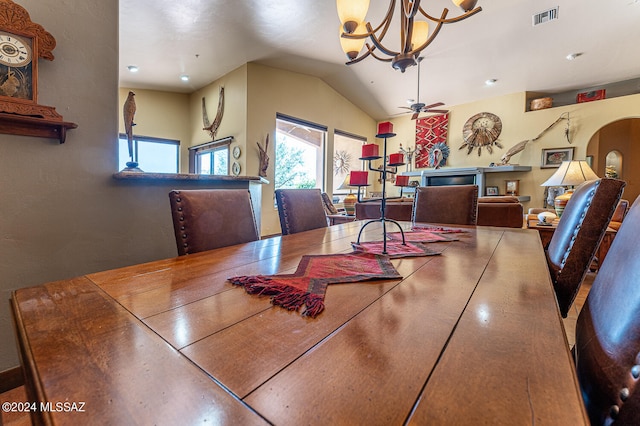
[578, 235]
[300, 210]
[204, 219]
[607, 349]
[451, 204]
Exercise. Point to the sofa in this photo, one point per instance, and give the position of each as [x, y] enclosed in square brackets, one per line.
[504, 211]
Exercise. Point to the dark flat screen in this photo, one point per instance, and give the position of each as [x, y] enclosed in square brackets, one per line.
[451, 180]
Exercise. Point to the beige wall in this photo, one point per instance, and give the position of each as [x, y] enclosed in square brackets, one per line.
[234, 119]
[518, 125]
[272, 91]
[160, 115]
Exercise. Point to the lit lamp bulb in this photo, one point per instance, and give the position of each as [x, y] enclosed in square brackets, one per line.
[420, 34]
[465, 5]
[353, 46]
[351, 13]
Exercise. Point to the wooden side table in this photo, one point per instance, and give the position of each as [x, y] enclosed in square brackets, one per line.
[546, 232]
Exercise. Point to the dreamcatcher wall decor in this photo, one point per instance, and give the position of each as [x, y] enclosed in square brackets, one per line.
[429, 132]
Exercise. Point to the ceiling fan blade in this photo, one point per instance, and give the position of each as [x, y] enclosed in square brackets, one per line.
[437, 111]
[437, 104]
[415, 115]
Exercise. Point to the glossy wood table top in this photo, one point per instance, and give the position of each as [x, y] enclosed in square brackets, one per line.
[472, 336]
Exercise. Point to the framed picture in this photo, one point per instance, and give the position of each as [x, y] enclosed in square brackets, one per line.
[512, 187]
[492, 190]
[553, 157]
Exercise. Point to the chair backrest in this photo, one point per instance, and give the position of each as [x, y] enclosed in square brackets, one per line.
[300, 210]
[578, 235]
[454, 204]
[204, 219]
[607, 348]
[619, 214]
[329, 208]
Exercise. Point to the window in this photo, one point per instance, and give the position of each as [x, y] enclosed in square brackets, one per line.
[211, 158]
[154, 155]
[347, 150]
[299, 150]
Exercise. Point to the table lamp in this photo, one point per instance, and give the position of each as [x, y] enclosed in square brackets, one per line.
[350, 200]
[570, 173]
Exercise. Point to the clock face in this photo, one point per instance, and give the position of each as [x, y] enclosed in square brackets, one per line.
[15, 51]
[16, 67]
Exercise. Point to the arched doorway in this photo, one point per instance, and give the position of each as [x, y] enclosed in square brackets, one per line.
[619, 142]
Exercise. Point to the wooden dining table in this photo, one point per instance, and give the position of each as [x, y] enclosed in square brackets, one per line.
[470, 336]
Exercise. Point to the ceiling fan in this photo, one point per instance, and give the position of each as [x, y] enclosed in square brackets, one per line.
[418, 106]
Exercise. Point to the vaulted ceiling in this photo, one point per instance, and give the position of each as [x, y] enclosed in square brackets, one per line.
[206, 39]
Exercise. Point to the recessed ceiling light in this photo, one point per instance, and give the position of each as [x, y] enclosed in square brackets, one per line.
[491, 82]
[572, 56]
[132, 68]
[184, 77]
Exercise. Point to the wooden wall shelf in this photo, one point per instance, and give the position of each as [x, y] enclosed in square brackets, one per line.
[13, 124]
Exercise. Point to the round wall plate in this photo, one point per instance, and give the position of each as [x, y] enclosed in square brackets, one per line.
[235, 169]
[236, 152]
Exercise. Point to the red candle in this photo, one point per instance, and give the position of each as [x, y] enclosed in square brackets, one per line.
[358, 178]
[370, 150]
[385, 127]
[396, 159]
[402, 180]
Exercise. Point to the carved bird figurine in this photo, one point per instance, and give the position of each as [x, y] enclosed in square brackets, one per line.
[128, 112]
[212, 128]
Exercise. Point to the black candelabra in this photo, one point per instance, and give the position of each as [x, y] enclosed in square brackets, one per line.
[389, 166]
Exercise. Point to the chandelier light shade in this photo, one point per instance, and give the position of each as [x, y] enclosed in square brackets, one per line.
[570, 173]
[414, 33]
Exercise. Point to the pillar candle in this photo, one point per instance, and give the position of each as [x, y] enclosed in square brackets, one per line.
[370, 150]
[357, 178]
[402, 180]
[385, 127]
[396, 159]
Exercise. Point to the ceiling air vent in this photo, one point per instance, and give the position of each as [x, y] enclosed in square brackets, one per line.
[545, 16]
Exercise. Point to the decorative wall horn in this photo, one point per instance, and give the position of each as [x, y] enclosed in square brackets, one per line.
[212, 128]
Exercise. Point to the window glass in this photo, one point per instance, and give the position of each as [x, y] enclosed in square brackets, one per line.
[154, 155]
[213, 161]
[347, 150]
[299, 152]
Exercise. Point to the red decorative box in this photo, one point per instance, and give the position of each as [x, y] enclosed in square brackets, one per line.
[594, 95]
[358, 178]
[370, 150]
[396, 159]
[385, 128]
[402, 180]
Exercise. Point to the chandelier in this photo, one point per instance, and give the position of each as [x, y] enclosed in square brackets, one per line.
[414, 33]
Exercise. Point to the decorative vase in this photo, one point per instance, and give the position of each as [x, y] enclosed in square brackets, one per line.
[560, 202]
[349, 203]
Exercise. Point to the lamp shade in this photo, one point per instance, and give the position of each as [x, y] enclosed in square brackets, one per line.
[352, 10]
[571, 173]
[345, 183]
[465, 5]
[351, 46]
